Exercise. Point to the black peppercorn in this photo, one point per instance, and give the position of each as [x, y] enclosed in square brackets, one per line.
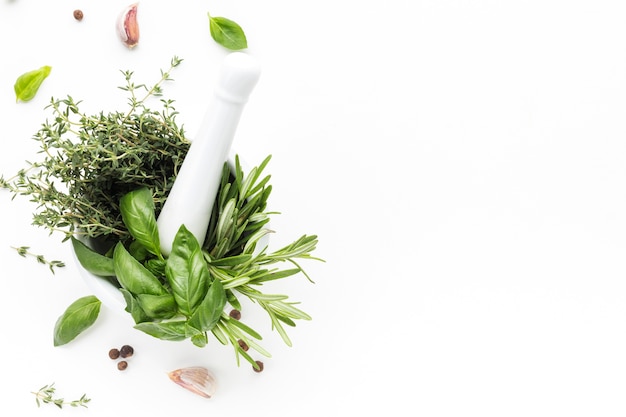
[114, 353]
[126, 351]
[243, 345]
[121, 365]
[236, 314]
[78, 15]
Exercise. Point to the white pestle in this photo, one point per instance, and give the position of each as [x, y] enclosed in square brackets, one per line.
[191, 198]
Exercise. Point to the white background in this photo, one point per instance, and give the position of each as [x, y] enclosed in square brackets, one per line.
[462, 161]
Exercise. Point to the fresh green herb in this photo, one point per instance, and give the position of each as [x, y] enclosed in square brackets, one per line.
[102, 182]
[92, 261]
[46, 395]
[227, 33]
[89, 162]
[187, 298]
[80, 315]
[24, 252]
[27, 84]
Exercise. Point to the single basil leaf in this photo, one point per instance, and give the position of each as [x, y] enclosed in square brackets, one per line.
[133, 307]
[171, 330]
[133, 276]
[27, 84]
[210, 310]
[158, 307]
[227, 33]
[186, 271]
[137, 208]
[92, 261]
[79, 316]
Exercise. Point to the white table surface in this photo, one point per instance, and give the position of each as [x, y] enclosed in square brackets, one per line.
[462, 161]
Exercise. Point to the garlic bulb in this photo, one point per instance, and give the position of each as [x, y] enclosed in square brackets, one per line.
[196, 379]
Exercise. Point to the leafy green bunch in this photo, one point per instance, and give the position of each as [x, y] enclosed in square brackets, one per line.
[102, 182]
[90, 161]
[184, 295]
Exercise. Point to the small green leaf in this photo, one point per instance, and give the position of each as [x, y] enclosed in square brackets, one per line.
[137, 208]
[79, 316]
[92, 261]
[27, 84]
[227, 33]
[171, 330]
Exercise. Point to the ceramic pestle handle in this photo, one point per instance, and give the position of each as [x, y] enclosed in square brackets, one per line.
[191, 198]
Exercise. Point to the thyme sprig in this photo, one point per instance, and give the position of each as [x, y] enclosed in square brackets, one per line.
[46, 395]
[90, 161]
[24, 251]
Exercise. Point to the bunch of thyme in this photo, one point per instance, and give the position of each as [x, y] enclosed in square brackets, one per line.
[89, 162]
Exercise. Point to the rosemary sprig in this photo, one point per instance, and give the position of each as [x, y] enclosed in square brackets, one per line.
[46, 395]
[24, 251]
[239, 220]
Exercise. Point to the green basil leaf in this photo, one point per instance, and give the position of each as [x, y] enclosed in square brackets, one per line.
[133, 276]
[186, 271]
[171, 330]
[137, 208]
[210, 310]
[227, 33]
[92, 261]
[79, 316]
[158, 307]
[27, 84]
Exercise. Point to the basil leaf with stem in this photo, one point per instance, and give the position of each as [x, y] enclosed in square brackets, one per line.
[169, 330]
[227, 33]
[137, 209]
[27, 84]
[186, 271]
[78, 317]
[91, 260]
[133, 276]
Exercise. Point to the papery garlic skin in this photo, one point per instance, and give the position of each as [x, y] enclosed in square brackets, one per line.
[195, 379]
[128, 27]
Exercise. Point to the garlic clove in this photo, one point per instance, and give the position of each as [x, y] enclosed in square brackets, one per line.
[195, 379]
[128, 27]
